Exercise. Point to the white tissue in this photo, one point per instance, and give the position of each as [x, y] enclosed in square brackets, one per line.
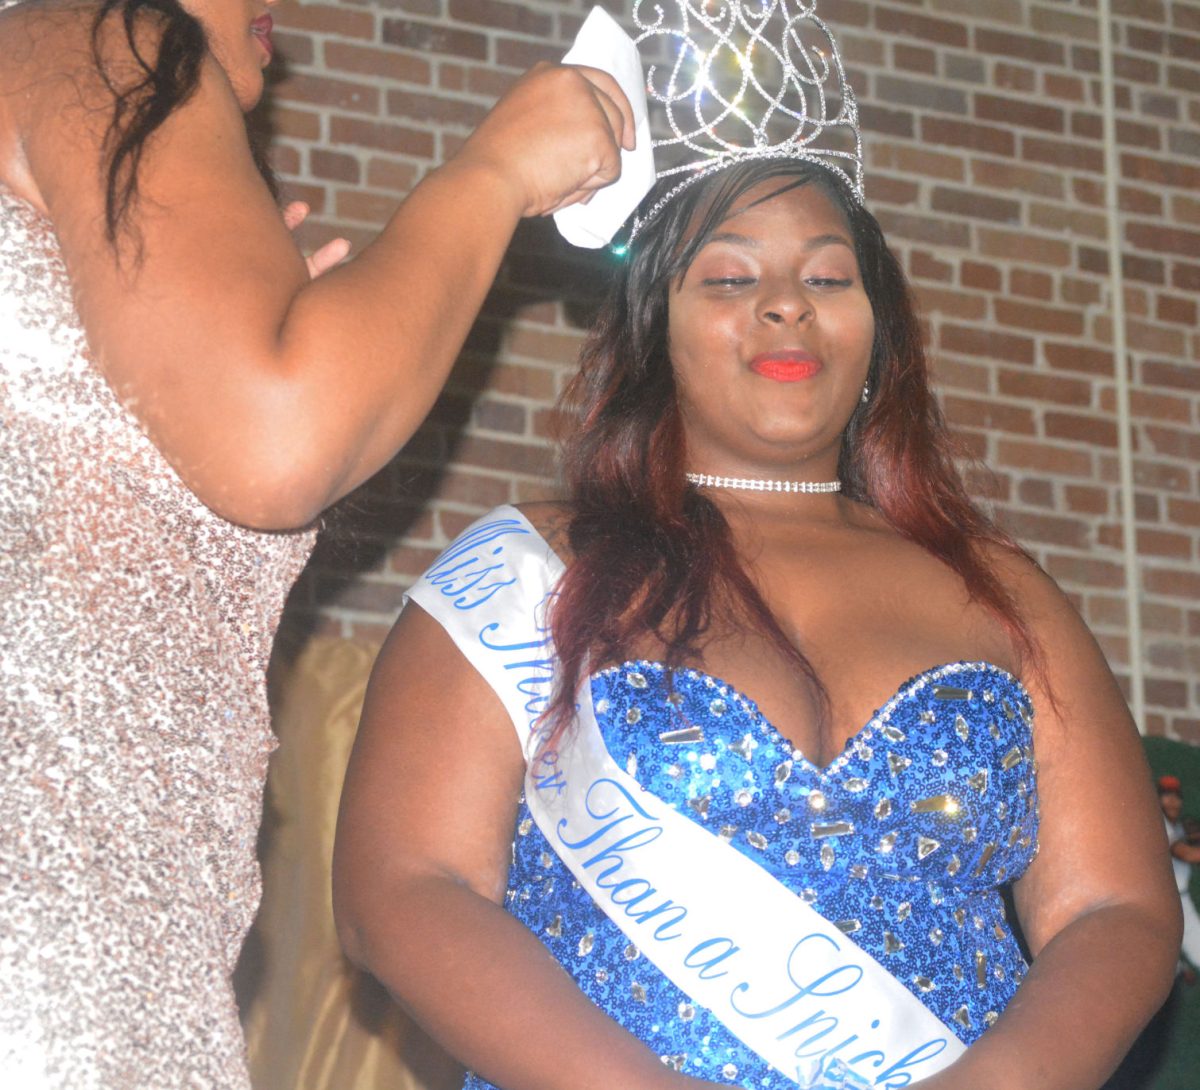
[601, 43]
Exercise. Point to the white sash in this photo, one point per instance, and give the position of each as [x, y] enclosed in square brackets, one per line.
[779, 976]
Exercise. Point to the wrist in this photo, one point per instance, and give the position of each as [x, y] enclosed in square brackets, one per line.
[482, 180]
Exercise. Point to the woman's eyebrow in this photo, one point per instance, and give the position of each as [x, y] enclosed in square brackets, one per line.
[819, 241]
[814, 243]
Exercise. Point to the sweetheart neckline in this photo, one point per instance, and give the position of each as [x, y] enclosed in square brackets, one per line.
[878, 718]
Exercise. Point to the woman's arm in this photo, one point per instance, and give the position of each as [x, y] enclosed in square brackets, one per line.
[1098, 905]
[420, 868]
[270, 394]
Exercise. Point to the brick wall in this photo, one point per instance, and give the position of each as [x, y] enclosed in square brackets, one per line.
[983, 129]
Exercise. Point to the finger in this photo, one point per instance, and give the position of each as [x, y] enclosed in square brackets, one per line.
[329, 255]
[580, 196]
[612, 98]
[294, 214]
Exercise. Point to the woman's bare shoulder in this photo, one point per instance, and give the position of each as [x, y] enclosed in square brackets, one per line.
[551, 519]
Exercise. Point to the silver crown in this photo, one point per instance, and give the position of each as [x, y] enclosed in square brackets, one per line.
[756, 80]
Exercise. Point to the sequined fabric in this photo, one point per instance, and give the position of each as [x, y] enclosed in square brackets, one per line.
[902, 842]
[136, 626]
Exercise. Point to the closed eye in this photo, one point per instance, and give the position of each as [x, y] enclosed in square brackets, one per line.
[728, 281]
[828, 282]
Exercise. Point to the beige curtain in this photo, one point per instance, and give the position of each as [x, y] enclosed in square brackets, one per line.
[312, 1022]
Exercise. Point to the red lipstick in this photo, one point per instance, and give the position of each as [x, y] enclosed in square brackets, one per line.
[261, 28]
[785, 366]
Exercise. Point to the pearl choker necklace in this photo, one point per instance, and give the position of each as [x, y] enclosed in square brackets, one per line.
[758, 484]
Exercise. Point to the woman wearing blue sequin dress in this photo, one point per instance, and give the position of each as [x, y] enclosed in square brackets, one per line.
[736, 880]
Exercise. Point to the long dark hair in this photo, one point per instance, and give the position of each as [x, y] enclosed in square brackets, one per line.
[168, 46]
[651, 555]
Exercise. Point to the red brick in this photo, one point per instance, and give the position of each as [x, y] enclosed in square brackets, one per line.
[1046, 529]
[1023, 47]
[913, 58]
[1140, 202]
[503, 416]
[1040, 386]
[1020, 112]
[519, 18]
[951, 374]
[431, 38]
[1166, 172]
[394, 176]
[1085, 571]
[387, 64]
[293, 48]
[954, 304]
[968, 136]
[1061, 461]
[975, 205]
[329, 19]
[365, 207]
[882, 155]
[1164, 475]
[297, 124]
[1172, 442]
[1039, 319]
[434, 109]
[1075, 222]
[1036, 492]
[1015, 77]
[975, 274]
[1023, 246]
[522, 53]
[989, 414]
[1078, 357]
[1162, 543]
[1030, 284]
[923, 265]
[1061, 153]
[1162, 239]
[993, 344]
[334, 166]
[397, 139]
[323, 91]
[1183, 512]
[1144, 405]
[1094, 430]
[1086, 500]
[907, 24]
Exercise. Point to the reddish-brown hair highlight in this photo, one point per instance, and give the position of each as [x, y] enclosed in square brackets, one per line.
[653, 556]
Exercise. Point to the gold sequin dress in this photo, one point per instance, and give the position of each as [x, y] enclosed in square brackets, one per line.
[135, 627]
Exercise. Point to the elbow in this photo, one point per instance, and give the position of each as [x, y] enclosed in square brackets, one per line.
[273, 484]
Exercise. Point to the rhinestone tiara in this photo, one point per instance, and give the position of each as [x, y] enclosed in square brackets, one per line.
[759, 79]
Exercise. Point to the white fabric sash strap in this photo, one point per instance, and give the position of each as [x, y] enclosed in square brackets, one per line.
[778, 975]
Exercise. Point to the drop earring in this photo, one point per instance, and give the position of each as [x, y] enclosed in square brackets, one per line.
[866, 394]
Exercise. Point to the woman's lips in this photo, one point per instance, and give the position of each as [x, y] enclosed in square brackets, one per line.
[261, 28]
[785, 366]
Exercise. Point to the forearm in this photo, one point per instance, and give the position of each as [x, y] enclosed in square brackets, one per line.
[1087, 996]
[484, 987]
[371, 344]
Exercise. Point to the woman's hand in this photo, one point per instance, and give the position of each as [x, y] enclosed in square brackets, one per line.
[332, 253]
[555, 137]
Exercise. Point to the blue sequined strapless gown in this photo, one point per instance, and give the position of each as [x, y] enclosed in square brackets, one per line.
[903, 842]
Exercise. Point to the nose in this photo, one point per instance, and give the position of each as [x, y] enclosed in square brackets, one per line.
[786, 304]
